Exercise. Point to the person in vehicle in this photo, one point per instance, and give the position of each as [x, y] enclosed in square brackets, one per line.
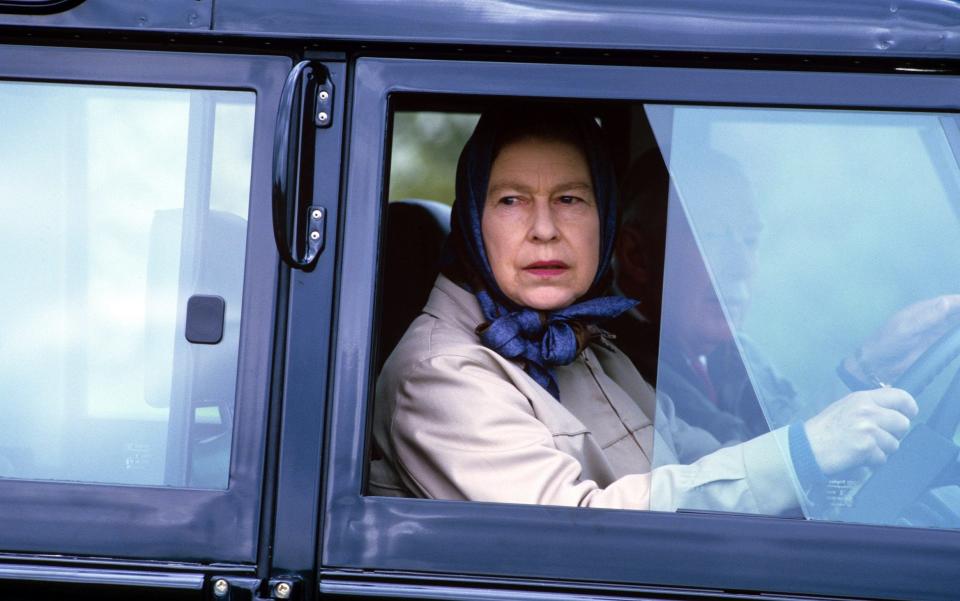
[695, 361]
[694, 352]
[505, 389]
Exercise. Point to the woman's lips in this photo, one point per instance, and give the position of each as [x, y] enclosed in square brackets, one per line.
[547, 269]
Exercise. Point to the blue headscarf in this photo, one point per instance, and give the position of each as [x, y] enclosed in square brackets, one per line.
[541, 340]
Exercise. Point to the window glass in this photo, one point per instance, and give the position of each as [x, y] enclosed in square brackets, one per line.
[810, 253]
[121, 204]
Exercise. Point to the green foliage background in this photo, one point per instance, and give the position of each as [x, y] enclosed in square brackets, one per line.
[426, 146]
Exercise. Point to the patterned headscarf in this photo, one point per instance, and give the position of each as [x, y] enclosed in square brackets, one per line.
[541, 340]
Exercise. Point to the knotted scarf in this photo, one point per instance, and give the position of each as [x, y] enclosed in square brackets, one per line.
[540, 340]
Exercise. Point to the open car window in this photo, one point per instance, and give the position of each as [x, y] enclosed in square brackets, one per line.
[769, 269]
[800, 242]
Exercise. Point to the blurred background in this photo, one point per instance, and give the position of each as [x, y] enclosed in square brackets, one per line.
[426, 146]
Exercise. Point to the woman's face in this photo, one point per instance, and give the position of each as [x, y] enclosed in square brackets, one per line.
[540, 225]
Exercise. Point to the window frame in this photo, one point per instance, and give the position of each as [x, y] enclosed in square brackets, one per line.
[156, 522]
[685, 549]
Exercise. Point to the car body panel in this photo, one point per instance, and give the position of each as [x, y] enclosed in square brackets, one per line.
[875, 28]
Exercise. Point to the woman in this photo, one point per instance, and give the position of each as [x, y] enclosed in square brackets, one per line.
[505, 389]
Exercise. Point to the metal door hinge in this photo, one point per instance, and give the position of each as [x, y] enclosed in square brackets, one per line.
[323, 114]
[234, 588]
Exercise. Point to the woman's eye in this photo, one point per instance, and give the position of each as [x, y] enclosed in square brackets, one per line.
[509, 200]
[569, 200]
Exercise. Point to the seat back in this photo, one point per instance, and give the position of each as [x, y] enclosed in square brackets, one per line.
[416, 232]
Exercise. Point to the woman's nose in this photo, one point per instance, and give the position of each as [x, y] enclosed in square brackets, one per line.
[544, 226]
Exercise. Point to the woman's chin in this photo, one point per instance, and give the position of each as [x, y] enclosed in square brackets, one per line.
[547, 300]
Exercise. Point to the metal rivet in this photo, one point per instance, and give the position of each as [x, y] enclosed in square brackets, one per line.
[322, 116]
[316, 214]
[282, 590]
[324, 95]
[221, 588]
[314, 235]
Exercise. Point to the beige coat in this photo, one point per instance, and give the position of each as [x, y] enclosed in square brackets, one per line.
[455, 420]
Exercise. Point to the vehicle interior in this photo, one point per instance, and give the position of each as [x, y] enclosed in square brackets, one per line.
[427, 135]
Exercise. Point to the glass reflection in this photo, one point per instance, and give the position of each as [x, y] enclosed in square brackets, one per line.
[808, 254]
[120, 203]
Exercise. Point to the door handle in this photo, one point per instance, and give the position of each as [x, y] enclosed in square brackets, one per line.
[306, 84]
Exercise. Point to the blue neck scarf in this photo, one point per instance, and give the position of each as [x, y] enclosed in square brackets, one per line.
[540, 340]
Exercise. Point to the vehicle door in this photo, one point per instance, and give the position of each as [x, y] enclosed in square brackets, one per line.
[409, 547]
[144, 314]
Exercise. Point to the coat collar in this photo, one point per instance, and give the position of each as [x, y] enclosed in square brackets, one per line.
[451, 303]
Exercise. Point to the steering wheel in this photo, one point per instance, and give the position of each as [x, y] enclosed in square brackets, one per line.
[925, 452]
